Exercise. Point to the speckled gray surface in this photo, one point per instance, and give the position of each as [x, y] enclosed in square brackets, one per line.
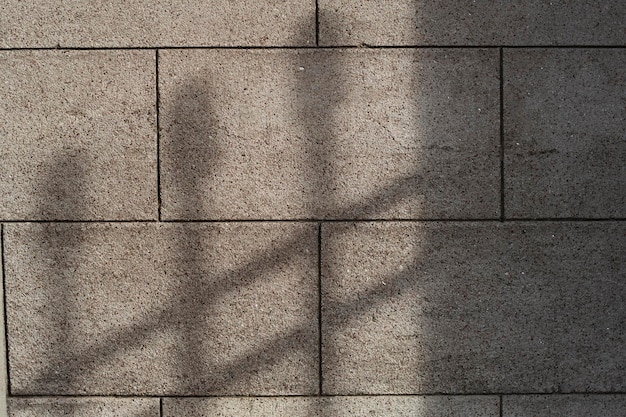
[83, 407]
[125, 156]
[563, 405]
[146, 309]
[330, 134]
[449, 22]
[159, 23]
[473, 307]
[565, 133]
[388, 406]
[78, 129]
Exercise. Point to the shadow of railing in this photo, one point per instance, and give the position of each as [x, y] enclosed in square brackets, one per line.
[318, 95]
[64, 194]
[134, 336]
[196, 294]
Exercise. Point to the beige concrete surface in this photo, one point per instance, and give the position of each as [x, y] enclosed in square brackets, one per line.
[78, 128]
[148, 309]
[563, 405]
[393, 406]
[143, 23]
[84, 407]
[3, 349]
[473, 307]
[288, 134]
[166, 168]
[436, 23]
[565, 132]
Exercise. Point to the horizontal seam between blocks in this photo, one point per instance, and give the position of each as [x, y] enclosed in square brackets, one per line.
[314, 396]
[401, 220]
[304, 47]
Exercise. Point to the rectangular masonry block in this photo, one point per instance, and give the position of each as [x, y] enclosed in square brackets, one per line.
[143, 23]
[563, 405]
[3, 351]
[564, 133]
[169, 309]
[83, 407]
[78, 135]
[393, 406]
[449, 22]
[293, 134]
[473, 307]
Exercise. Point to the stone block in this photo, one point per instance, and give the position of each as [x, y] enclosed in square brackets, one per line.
[149, 309]
[78, 135]
[391, 406]
[83, 407]
[160, 23]
[329, 134]
[564, 124]
[563, 405]
[487, 307]
[477, 23]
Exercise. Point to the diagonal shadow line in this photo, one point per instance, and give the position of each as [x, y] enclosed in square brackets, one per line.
[273, 350]
[134, 335]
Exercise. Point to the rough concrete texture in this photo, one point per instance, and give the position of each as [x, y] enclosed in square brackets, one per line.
[473, 307]
[83, 407]
[144, 23]
[78, 135]
[411, 22]
[564, 405]
[565, 132]
[395, 406]
[286, 134]
[4, 377]
[149, 309]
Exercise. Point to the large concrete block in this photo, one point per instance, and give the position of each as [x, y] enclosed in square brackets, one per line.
[83, 407]
[3, 351]
[473, 307]
[286, 134]
[565, 132]
[394, 406]
[143, 23]
[563, 405]
[170, 309]
[411, 22]
[78, 135]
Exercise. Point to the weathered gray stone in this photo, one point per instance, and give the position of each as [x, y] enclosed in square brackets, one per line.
[563, 405]
[564, 127]
[3, 351]
[78, 135]
[143, 23]
[431, 406]
[473, 307]
[169, 309]
[286, 134]
[83, 407]
[532, 22]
